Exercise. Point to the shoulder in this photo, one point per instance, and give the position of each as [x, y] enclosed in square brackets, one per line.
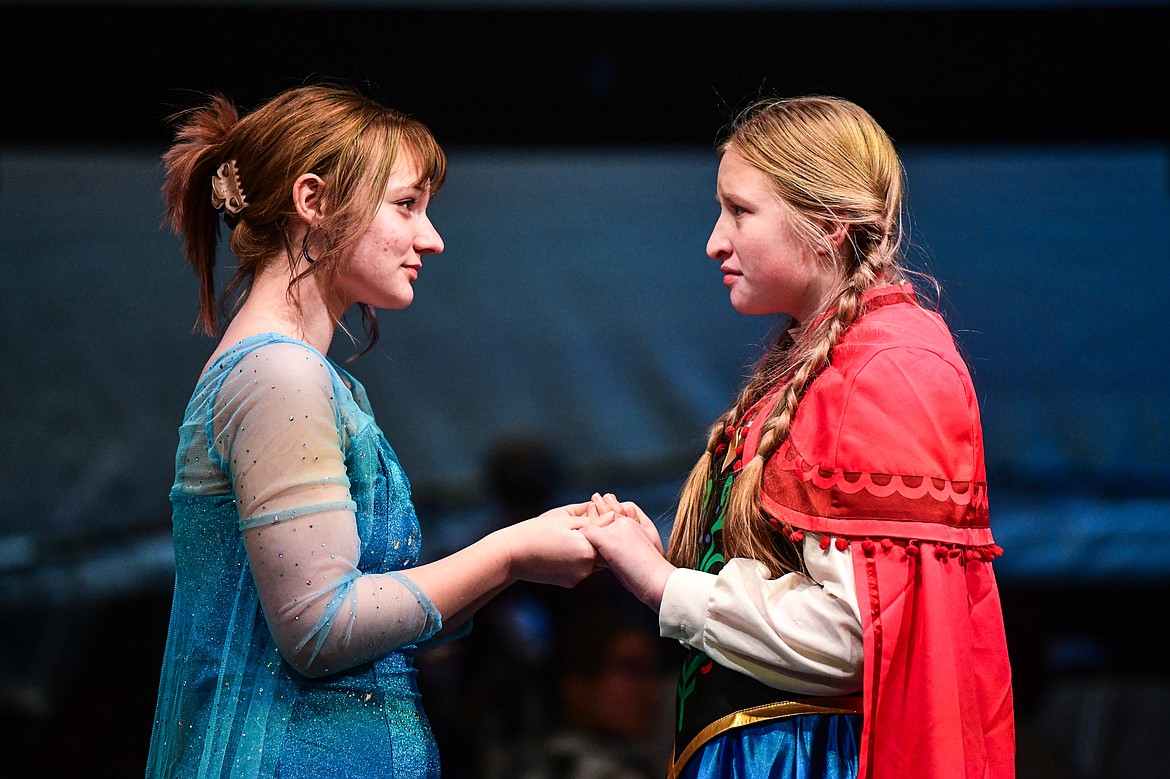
[898, 347]
[285, 358]
[914, 390]
[897, 398]
[274, 367]
[274, 356]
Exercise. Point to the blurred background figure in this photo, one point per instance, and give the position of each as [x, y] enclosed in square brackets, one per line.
[550, 682]
[610, 685]
[488, 685]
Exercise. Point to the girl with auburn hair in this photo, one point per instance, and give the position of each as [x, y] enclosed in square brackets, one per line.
[297, 606]
[830, 565]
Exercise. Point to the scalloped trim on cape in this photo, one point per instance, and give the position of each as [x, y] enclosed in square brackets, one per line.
[883, 485]
[872, 508]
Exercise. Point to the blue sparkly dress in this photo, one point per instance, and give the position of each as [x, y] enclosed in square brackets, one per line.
[292, 631]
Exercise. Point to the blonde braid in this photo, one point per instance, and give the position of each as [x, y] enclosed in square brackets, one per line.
[746, 533]
[688, 522]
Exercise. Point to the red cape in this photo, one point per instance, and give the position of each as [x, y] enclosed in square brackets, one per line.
[885, 457]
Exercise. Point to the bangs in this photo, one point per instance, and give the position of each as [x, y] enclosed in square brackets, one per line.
[428, 155]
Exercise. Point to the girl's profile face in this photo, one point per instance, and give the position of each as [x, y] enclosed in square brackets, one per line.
[386, 260]
[767, 267]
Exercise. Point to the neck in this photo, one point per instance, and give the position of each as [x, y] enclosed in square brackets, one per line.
[272, 306]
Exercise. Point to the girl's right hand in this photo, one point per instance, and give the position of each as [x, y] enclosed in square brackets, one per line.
[550, 549]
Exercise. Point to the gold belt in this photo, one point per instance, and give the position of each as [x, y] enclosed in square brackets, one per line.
[846, 704]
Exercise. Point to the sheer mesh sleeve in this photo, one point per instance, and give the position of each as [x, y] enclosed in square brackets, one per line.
[277, 433]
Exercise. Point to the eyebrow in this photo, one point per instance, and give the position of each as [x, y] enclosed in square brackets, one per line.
[409, 189]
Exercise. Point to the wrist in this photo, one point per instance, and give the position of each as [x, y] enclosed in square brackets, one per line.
[501, 546]
[657, 584]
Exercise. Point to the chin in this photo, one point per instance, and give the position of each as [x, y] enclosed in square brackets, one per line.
[398, 302]
[744, 307]
[754, 307]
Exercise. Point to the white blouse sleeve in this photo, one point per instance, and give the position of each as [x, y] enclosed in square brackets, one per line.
[796, 633]
[277, 433]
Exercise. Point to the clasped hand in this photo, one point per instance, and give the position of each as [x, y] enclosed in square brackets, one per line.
[564, 545]
[628, 543]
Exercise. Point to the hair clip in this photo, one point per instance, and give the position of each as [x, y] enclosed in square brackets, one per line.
[226, 193]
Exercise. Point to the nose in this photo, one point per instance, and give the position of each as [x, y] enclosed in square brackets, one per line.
[428, 240]
[718, 246]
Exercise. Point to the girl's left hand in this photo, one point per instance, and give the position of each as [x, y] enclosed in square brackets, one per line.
[633, 555]
[600, 504]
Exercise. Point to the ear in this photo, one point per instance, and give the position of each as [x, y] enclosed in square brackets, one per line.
[836, 233]
[308, 197]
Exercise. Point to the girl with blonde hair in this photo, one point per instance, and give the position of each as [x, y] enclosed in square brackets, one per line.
[830, 565]
[298, 605]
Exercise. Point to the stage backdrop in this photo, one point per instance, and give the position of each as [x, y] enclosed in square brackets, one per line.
[574, 302]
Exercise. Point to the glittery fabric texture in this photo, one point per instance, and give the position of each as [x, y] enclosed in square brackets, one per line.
[293, 624]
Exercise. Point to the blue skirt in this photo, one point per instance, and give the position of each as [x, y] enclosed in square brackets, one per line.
[807, 746]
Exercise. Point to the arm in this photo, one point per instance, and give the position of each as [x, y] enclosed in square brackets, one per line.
[327, 616]
[277, 435]
[798, 633]
[548, 549]
[543, 553]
